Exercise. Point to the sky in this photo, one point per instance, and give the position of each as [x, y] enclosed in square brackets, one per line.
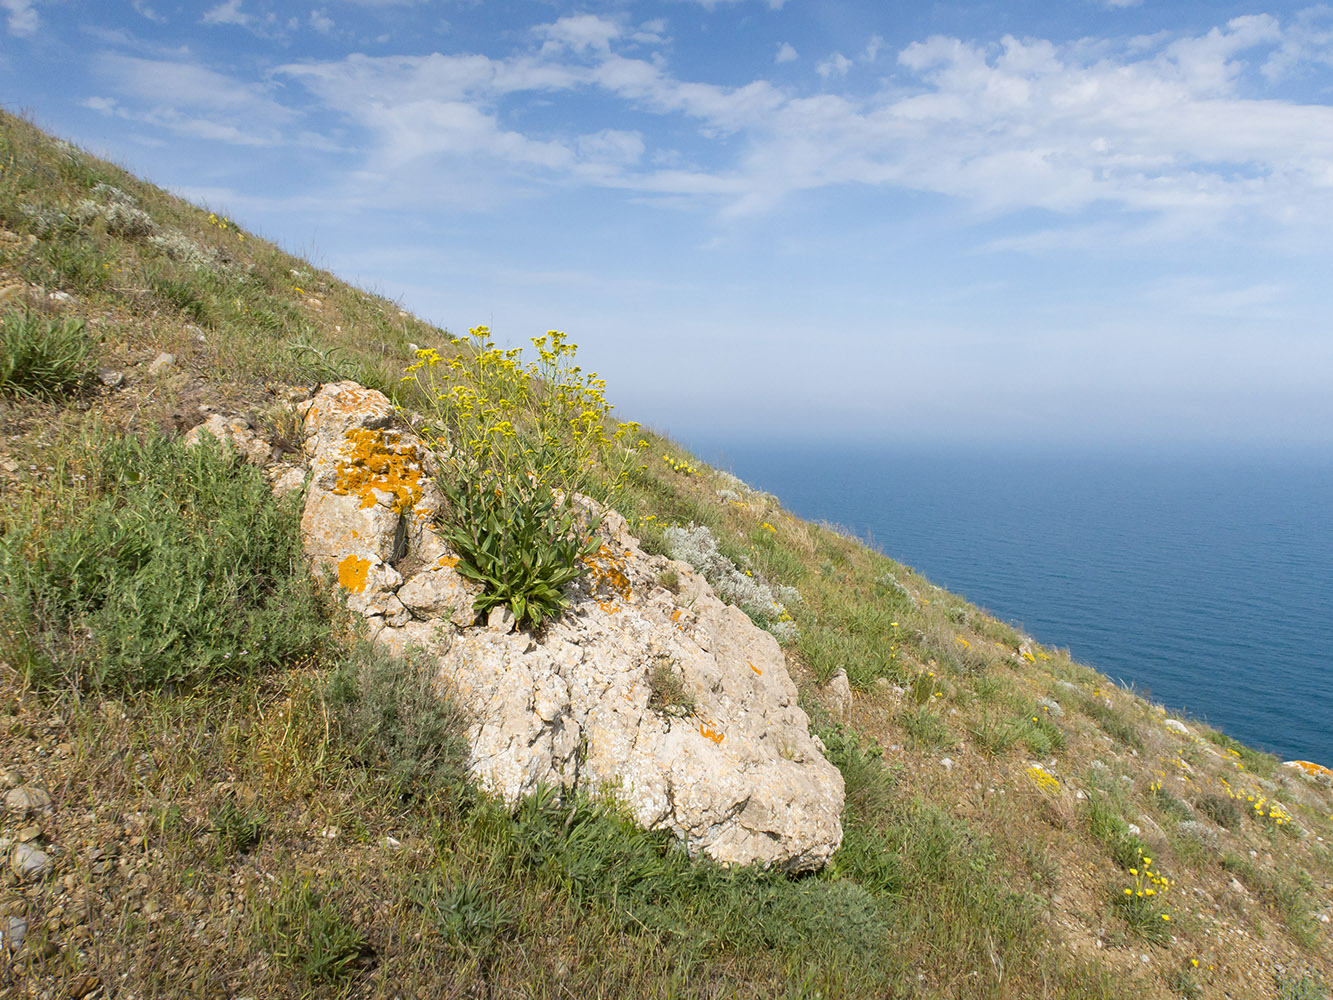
[1086, 223]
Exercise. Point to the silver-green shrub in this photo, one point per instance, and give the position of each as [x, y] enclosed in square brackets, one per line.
[763, 603]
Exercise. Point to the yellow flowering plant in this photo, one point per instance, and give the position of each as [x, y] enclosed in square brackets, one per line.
[516, 440]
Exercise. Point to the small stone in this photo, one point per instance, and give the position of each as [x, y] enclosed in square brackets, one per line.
[30, 863]
[12, 932]
[27, 800]
[163, 364]
[500, 619]
[110, 378]
[1134, 829]
[28, 834]
[947, 764]
[1175, 725]
[838, 694]
[392, 843]
[12, 778]
[291, 480]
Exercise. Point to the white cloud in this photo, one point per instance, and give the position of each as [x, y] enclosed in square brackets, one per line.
[227, 12]
[872, 48]
[148, 12]
[1120, 4]
[712, 4]
[321, 22]
[579, 33]
[1164, 132]
[835, 65]
[786, 53]
[23, 20]
[191, 100]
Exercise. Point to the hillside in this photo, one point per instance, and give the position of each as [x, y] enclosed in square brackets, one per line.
[216, 786]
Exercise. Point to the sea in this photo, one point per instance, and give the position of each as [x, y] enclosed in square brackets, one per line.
[1204, 582]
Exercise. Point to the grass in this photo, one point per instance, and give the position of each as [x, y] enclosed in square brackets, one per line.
[297, 821]
[44, 357]
[146, 564]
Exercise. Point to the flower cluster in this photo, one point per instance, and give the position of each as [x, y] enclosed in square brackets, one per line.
[1043, 779]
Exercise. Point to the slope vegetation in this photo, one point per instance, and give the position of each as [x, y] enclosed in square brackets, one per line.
[214, 787]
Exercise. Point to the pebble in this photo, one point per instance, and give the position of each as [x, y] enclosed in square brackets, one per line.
[28, 799]
[12, 932]
[30, 862]
[109, 377]
[947, 764]
[162, 364]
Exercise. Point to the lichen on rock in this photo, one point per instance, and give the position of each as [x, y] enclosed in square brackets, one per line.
[737, 777]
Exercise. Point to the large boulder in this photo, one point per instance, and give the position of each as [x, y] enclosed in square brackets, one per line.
[670, 702]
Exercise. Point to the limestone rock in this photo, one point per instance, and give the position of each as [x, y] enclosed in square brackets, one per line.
[735, 774]
[235, 432]
[838, 694]
[739, 778]
[1176, 726]
[439, 593]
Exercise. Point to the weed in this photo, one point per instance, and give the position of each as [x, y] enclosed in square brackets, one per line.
[1222, 810]
[468, 913]
[307, 933]
[668, 692]
[926, 728]
[396, 726]
[43, 357]
[236, 827]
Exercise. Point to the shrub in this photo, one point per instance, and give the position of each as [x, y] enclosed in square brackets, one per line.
[763, 603]
[170, 566]
[45, 358]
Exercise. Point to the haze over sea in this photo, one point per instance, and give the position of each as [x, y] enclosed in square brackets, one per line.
[1206, 583]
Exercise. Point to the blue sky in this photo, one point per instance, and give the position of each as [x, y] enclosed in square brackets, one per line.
[1004, 223]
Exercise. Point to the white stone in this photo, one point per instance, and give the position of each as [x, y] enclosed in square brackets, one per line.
[1175, 725]
[838, 694]
[235, 432]
[29, 862]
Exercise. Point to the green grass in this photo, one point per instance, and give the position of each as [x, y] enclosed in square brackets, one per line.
[152, 565]
[44, 357]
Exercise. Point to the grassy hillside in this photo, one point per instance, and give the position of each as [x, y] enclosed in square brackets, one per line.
[245, 800]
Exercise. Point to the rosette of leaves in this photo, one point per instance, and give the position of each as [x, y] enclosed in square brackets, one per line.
[518, 541]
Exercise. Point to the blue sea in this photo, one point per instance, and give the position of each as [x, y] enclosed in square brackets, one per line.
[1206, 583]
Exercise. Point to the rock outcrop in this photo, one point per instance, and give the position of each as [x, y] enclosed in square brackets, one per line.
[670, 701]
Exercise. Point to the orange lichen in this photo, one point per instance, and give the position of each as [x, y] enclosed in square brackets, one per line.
[755, 669]
[446, 562]
[709, 733]
[352, 573]
[606, 570]
[379, 463]
[1311, 768]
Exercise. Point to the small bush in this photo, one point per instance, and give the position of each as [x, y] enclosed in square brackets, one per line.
[766, 605]
[45, 358]
[306, 933]
[168, 567]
